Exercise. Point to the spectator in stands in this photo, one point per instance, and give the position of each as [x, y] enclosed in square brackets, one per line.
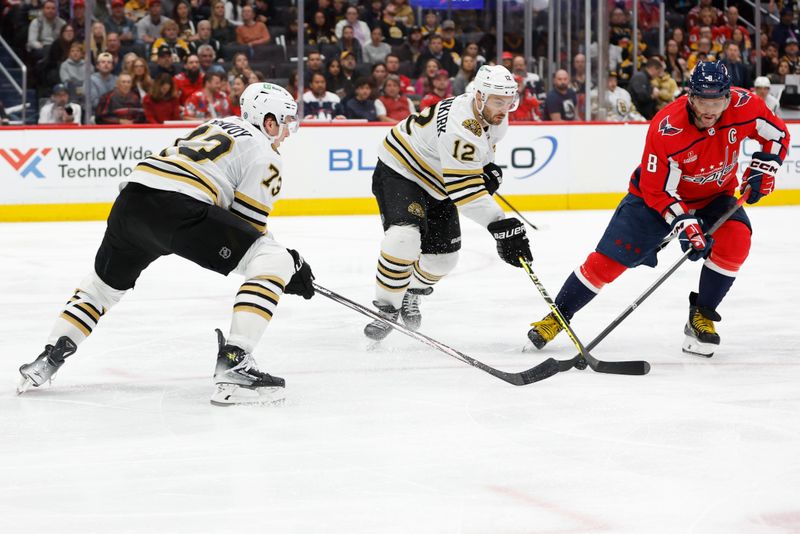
[338, 10]
[264, 12]
[48, 73]
[161, 103]
[643, 92]
[374, 13]
[149, 27]
[97, 40]
[238, 85]
[378, 77]
[405, 13]
[679, 36]
[190, 80]
[348, 43]
[78, 20]
[140, 74]
[507, 58]
[320, 31]
[204, 38]
[210, 102]
[73, 71]
[465, 75]
[769, 61]
[59, 110]
[791, 49]
[319, 103]
[127, 62]
[739, 72]
[335, 81]
[706, 20]
[412, 47]
[233, 11]
[362, 105]
[449, 41]
[348, 63]
[113, 47]
[182, 15]
[742, 40]
[170, 39]
[779, 76]
[579, 73]
[424, 83]
[667, 87]
[430, 24]
[241, 65]
[376, 50]
[252, 32]
[439, 91]
[619, 107]
[44, 29]
[135, 9]
[619, 27]
[206, 56]
[703, 53]
[786, 28]
[313, 64]
[561, 101]
[472, 49]
[361, 31]
[528, 107]
[436, 51]
[164, 63]
[675, 64]
[761, 88]
[731, 23]
[291, 86]
[393, 106]
[121, 105]
[533, 83]
[692, 18]
[393, 68]
[222, 29]
[118, 23]
[394, 32]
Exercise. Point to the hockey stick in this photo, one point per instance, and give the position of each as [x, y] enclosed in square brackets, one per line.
[507, 203]
[546, 369]
[661, 279]
[635, 367]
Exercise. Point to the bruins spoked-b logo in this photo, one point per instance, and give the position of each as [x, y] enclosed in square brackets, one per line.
[225, 253]
[415, 209]
[473, 126]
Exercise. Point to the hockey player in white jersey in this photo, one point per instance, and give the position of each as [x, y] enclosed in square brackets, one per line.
[619, 105]
[430, 167]
[206, 199]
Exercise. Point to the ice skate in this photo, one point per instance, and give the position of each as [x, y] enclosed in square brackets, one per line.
[44, 368]
[378, 330]
[409, 310]
[701, 335]
[544, 331]
[239, 381]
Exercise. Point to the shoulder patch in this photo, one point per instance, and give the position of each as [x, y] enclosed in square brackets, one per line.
[473, 126]
[744, 97]
[665, 128]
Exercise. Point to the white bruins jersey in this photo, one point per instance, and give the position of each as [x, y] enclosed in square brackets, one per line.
[443, 150]
[226, 162]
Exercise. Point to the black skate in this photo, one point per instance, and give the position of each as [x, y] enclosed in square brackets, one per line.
[544, 331]
[43, 368]
[378, 330]
[236, 371]
[409, 310]
[701, 336]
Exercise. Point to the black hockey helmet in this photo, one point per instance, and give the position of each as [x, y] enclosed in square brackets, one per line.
[710, 79]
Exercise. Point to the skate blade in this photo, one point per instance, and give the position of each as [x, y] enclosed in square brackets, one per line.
[693, 346]
[234, 395]
[374, 345]
[24, 385]
[529, 347]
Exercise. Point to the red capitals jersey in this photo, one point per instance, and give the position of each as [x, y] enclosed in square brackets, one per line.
[685, 168]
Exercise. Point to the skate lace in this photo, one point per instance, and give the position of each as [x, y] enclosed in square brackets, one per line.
[548, 327]
[411, 304]
[703, 324]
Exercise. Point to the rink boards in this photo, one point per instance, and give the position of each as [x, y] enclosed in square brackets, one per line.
[51, 174]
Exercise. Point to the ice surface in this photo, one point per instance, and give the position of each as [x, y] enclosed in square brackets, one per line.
[403, 439]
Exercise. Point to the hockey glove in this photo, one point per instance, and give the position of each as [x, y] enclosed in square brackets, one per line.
[760, 176]
[690, 236]
[302, 280]
[492, 177]
[511, 241]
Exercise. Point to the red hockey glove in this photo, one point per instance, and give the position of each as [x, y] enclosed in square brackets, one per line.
[690, 236]
[760, 176]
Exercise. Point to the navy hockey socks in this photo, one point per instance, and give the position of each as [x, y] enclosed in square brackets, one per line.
[573, 296]
[713, 288]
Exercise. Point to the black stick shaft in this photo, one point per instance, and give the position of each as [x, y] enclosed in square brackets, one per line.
[521, 216]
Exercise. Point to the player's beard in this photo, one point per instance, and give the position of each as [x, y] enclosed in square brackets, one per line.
[497, 120]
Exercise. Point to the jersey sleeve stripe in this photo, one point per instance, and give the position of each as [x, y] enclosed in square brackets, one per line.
[251, 203]
[180, 177]
[460, 185]
[190, 170]
[261, 226]
[461, 172]
[469, 198]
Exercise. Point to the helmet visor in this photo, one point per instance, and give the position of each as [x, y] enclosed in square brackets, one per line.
[291, 123]
[502, 104]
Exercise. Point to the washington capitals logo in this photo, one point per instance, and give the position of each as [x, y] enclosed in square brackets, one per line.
[25, 162]
[665, 128]
[744, 98]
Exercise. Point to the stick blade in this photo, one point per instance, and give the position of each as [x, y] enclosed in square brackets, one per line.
[546, 369]
[634, 367]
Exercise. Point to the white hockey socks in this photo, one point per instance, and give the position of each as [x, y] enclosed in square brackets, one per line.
[430, 268]
[83, 311]
[253, 309]
[400, 248]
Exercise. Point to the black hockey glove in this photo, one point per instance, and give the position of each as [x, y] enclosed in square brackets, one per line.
[301, 281]
[492, 177]
[511, 241]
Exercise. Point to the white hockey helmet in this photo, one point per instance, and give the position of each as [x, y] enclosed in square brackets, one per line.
[495, 80]
[261, 99]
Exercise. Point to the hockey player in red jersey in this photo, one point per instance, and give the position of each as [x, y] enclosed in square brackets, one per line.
[685, 182]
